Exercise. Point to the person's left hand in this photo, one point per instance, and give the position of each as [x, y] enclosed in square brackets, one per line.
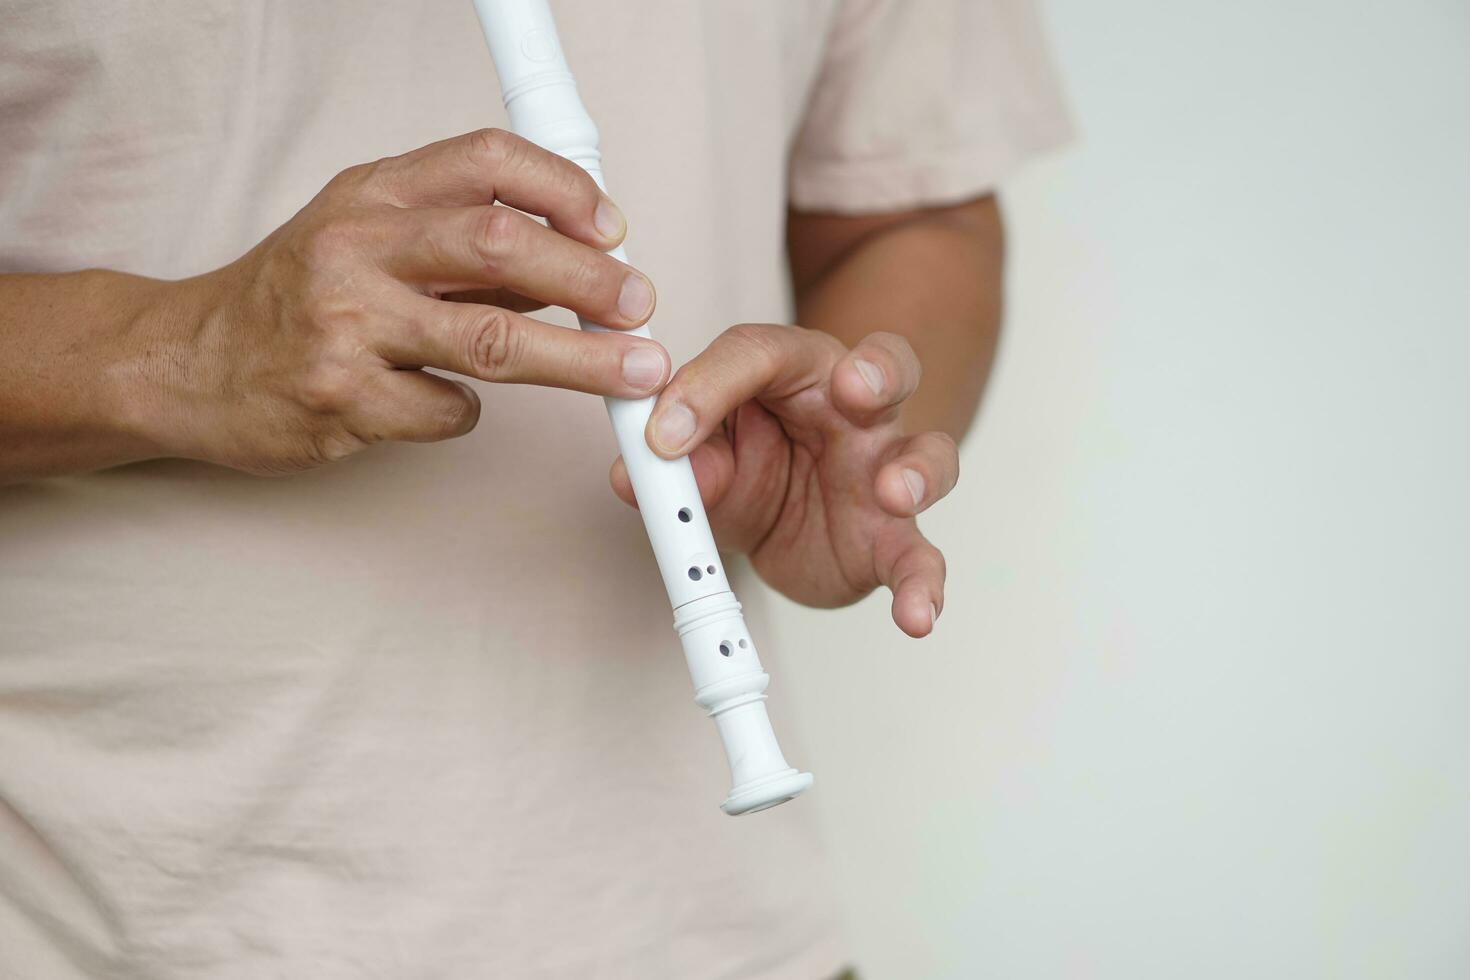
[803, 464]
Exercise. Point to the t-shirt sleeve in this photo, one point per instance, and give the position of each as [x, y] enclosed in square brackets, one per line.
[924, 102]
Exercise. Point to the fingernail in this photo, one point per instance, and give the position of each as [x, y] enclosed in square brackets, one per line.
[915, 483]
[933, 615]
[636, 297]
[871, 373]
[643, 367]
[673, 428]
[609, 220]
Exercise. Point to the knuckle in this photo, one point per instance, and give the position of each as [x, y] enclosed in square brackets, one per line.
[891, 340]
[576, 184]
[322, 242]
[388, 180]
[326, 388]
[497, 235]
[331, 447]
[492, 148]
[754, 341]
[899, 347]
[831, 348]
[745, 333]
[950, 453]
[305, 449]
[328, 238]
[834, 348]
[335, 322]
[350, 180]
[945, 444]
[496, 345]
[944, 455]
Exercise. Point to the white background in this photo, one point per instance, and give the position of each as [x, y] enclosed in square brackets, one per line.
[1199, 705]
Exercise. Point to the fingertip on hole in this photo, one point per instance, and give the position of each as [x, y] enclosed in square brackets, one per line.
[636, 298]
[609, 221]
[671, 429]
[645, 367]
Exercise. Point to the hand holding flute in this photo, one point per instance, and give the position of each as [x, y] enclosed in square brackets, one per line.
[795, 393]
[804, 465]
[307, 349]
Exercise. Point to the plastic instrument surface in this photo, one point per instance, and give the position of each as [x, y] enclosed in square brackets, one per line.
[544, 107]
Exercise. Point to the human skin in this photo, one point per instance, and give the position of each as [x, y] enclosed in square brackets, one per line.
[815, 447]
[306, 349]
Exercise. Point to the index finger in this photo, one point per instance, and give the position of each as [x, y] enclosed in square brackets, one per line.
[491, 165]
[746, 361]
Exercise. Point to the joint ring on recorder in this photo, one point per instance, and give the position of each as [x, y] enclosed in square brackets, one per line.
[733, 703]
[704, 610]
[539, 80]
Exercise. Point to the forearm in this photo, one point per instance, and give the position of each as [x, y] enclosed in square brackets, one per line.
[75, 353]
[934, 277]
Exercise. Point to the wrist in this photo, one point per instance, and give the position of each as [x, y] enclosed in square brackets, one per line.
[147, 385]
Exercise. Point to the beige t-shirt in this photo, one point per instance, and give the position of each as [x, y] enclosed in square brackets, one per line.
[421, 714]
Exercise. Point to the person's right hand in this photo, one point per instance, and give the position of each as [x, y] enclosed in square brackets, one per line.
[308, 348]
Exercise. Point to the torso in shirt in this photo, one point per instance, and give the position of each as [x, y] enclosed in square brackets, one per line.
[427, 699]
